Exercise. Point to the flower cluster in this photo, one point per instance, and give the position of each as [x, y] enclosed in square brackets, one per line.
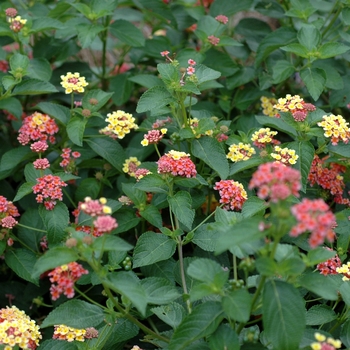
[335, 127]
[48, 190]
[141, 172]
[267, 106]
[17, 23]
[190, 70]
[63, 279]
[8, 212]
[120, 124]
[232, 194]
[18, 330]
[324, 343]
[345, 271]
[153, 136]
[316, 217]
[330, 266]
[296, 106]
[330, 179]
[159, 123]
[130, 166]
[213, 40]
[4, 67]
[284, 155]
[73, 82]
[63, 332]
[68, 162]
[194, 123]
[36, 127]
[276, 181]
[239, 152]
[41, 164]
[39, 146]
[222, 19]
[264, 136]
[177, 164]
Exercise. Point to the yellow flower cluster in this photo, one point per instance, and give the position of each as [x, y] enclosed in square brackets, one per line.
[69, 334]
[239, 152]
[267, 105]
[194, 124]
[176, 155]
[345, 270]
[17, 329]
[336, 127]
[285, 155]
[289, 103]
[322, 340]
[130, 166]
[120, 124]
[263, 135]
[18, 19]
[73, 82]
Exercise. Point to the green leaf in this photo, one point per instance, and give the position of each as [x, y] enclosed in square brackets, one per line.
[55, 221]
[33, 87]
[314, 79]
[163, 269]
[31, 174]
[224, 338]
[309, 36]
[152, 215]
[57, 111]
[40, 68]
[75, 313]
[319, 314]
[244, 165]
[243, 76]
[345, 292]
[138, 197]
[202, 322]
[8, 82]
[154, 98]
[328, 50]
[13, 157]
[276, 123]
[345, 333]
[82, 8]
[237, 304]
[172, 314]
[52, 258]
[87, 33]
[340, 149]
[108, 149]
[22, 262]
[282, 70]
[122, 87]
[283, 315]
[297, 49]
[252, 206]
[212, 153]
[152, 183]
[75, 129]
[19, 63]
[229, 8]
[99, 96]
[152, 247]
[204, 73]
[306, 152]
[127, 33]
[54, 344]
[181, 206]
[24, 189]
[13, 106]
[159, 291]
[128, 285]
[318, 255]
[301, 9]
[111, 243]
[146, 80]
[168, 73]
[43, 23]
[205, 238]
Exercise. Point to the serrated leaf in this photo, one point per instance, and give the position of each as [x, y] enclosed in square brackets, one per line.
[345, 292]
[39, 68]
[224, 338]
[122, 87]
[57, 111]
[318, 255]
[276, 123]
[244, 165]
[202, 322]
[159, 291]
[204, 73]
[146, 80]
[237, 305]
[205, 238]
[172, 314]
[229, 7]
[243, 76]
[19, 62]
[99, 96]
[297, 49]
[314, 79]
[75, 313]
[154, 98]
[309, 36]
[127, 33]
[24, 189]
[209, 271]
[152, 247]
[34, 87]
[212, 153]
[328, 50]
[54, 344]
[168, 73]
[22, 262]
[108, 149]
[55, 221]
[181, 205]
[340, 149]
[13, 157]
[75, 129]
[13, 106]
[111, 243]
[87, 33]
[152, 215]
[281, 71]
[283, 315]
[319, 314]
[252, 206]
[152, 183]
[44, 23]
[345, 333]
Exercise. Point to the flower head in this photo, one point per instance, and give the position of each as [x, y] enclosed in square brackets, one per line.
[41, 163]
[8, 212]
[63, 332]
[141, 172]
[17, 23]
[73, 82]
[284, 155]
[153, 137]
[264, 136]
[213, 40]
[344, 270]
[130, 166]
[329, 267]
[120, 124]
[324, 343]
[232, 194]
[39, 146]
[105, 224]
[240, 152]
[11, 12]
[177, 164]
[276, 181]
[17, 329]
[222, 19]
[316, 217]
[267, 105]
[95, 207]
[69, 157]
[335, 127]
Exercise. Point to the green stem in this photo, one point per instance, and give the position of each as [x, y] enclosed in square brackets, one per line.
[157, 150]
[104, 51]
[23, 244]
[71, 102]
[31, 228]
[90, 300]
[331, 23]
[69, 197]
[235, 275]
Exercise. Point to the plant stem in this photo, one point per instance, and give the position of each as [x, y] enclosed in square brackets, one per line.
[90, 300]
[31, 228]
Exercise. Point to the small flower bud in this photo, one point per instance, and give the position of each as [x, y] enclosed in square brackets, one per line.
[71, 242]
[11, 12]
[86, 113]
[87, 240]
[93, 101]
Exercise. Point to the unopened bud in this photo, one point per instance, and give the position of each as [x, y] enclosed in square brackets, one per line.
[11, 12]
[71, 242]
[86, 113]
[87, 240]
[93, 101]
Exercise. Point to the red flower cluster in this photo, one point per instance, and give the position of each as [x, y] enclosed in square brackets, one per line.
[4, 66]
[177, 164]
[329, 178]
[8, 212]
[232, 194]
[37, 126]
[69, 159]
[48, 190]
[63, 279]
[314, 216]
[153, 137]
[276, 181]
[329, 267]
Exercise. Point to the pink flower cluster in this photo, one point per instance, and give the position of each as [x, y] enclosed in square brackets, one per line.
[314, 216]
[213, 40]
[159, 123]
[232, 194]
[329, 267]
[36, 127]
[177, 164]
[153, 137]
[63, 279]
[222, 19]
[8, 212]
[41, 164]
[276, 181]
[39, 146]
[48, 190]
[190, 69]
[68, 159]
